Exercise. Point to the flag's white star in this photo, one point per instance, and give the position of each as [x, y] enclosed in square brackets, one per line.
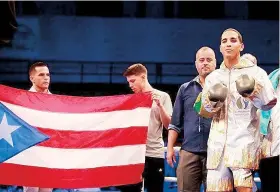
[6, 130]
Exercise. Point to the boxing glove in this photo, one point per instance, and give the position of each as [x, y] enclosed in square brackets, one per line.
[245, 85]
[218, 92]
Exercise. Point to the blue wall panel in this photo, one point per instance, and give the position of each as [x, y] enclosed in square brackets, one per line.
[80, 47]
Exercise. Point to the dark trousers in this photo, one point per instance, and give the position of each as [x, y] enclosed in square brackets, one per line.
[269, 174]
[191, 171]
[153, 177]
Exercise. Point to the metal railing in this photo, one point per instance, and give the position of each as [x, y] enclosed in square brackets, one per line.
[111, 72]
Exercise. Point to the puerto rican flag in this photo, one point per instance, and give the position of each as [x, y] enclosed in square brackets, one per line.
[60, 141]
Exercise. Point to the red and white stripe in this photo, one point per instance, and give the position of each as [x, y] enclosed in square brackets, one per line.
[95, 141]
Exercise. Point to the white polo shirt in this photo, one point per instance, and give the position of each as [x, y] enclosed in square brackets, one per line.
[32, 89]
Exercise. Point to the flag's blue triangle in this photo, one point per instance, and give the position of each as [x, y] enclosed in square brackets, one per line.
[15, 134]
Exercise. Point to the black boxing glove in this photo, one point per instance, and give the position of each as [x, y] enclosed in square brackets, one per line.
[245, 85]
[218, 92]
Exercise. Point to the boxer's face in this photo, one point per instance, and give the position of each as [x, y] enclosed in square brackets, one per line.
[136, 82]
[40, 77]
[230, 44]
[205, 62]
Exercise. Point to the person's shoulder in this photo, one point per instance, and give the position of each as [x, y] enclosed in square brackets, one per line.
[161, 93]
[256, 71]
[185, 85]
[274, 74]
[261, 70]
[32, 89]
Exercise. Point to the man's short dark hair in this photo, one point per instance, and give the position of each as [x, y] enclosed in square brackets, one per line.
[135, 69]
[37, 64]
[240, 38]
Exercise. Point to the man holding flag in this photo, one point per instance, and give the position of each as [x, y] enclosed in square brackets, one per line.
[161, 111]
[39, 75]
[84, 138]
[15, 134]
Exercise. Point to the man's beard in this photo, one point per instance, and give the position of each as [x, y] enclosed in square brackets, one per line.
[206, 74]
